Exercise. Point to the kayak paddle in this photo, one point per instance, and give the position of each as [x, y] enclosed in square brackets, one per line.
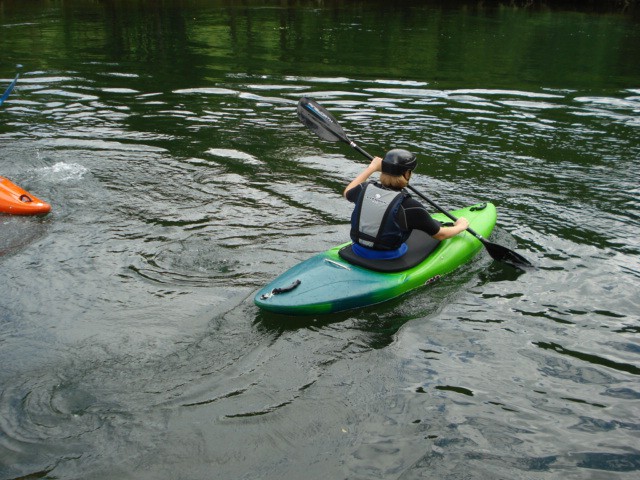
[323, 124]
[7, 92]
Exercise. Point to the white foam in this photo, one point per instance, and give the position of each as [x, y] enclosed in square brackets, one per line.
[62, 171]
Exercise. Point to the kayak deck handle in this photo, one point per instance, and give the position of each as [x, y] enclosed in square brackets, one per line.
[278, 291]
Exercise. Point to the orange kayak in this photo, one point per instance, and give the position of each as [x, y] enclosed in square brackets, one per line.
[16, 201]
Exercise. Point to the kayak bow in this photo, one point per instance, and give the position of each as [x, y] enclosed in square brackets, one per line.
[17, 201]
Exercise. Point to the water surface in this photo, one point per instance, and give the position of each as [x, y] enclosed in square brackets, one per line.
[166, 140]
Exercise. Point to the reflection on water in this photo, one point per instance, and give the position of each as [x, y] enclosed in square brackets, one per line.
[166, 140]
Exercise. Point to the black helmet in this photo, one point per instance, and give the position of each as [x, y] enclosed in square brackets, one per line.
[398, 161]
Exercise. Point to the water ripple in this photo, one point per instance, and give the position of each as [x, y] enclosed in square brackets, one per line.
[129, 307]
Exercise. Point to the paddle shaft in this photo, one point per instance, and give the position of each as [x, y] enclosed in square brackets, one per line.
[7, 92]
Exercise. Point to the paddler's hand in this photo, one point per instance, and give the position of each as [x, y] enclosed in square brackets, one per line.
[462, 223]
[459, 226]
[376, 164]
[373, 167]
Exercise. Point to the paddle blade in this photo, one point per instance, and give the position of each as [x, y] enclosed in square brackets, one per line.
[320, 121]
[505, 255]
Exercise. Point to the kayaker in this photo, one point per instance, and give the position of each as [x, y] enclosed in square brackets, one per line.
[385, 214]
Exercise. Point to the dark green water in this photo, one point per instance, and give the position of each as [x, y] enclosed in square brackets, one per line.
[164, 135]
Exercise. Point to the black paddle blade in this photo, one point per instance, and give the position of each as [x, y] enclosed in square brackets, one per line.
[503, 254]
[319, 121]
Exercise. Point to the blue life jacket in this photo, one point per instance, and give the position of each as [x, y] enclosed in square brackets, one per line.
[374, 223]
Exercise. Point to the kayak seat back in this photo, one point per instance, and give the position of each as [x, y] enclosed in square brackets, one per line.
[419, 244]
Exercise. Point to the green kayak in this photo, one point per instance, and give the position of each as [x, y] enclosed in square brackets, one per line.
[338, 279]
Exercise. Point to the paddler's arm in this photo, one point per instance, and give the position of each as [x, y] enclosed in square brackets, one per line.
[374, 166]
[447, 232]
[417, 217]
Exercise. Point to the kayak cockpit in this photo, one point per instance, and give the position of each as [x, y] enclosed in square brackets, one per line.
[420, 245]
